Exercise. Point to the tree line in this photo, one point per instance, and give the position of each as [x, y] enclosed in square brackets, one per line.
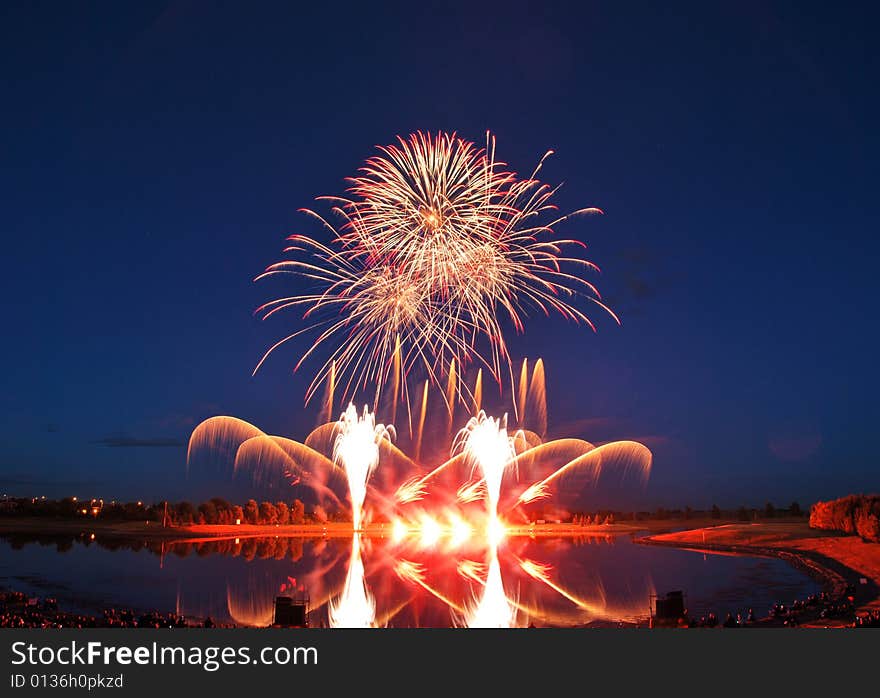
[218, 511]
[742, 513]
[215, 511]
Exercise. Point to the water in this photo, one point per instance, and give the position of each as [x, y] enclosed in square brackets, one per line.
[598, 580]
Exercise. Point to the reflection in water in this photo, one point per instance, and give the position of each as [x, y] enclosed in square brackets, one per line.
[252, 603]
[492, 609]
[448, 588]
[375, 581]
[355, 607]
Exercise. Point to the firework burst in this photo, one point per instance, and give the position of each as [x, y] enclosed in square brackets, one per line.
[439, 245]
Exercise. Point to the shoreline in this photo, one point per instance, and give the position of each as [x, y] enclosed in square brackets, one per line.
[833, 582]
[846, 567]
[152, 530]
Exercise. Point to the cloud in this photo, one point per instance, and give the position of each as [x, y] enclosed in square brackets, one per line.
[132, 442]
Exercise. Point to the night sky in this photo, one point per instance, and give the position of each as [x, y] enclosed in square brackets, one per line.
[153, 157]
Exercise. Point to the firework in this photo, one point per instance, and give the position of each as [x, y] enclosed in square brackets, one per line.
[484, 461]
[438, 248]
[357, 449]
[489, 449]
[459, 518]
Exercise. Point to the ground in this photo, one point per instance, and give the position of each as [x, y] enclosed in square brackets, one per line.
[835, 558]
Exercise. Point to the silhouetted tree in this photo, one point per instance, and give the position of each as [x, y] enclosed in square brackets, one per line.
[283, 513]
[208, 510]
[297, 512]
[716, 512]
[252, 512]
[220, 503]
[742, 514]
[134, 511]
[155, 512]
[769, 510]
[186, 513]
[268, 515]
[795, 509]
[237, 514]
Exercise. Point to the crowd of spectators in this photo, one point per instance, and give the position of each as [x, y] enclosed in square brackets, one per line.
[730, 621]
[821, 607]
[18, 610]
[871, 619]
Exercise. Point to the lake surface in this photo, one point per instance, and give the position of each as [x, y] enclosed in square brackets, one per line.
[597, 580]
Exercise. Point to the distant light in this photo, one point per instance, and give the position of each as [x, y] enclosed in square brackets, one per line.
[92, 537]
[74, 499]
[237, 523]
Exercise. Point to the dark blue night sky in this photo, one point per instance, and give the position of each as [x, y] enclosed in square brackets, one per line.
[153, 157]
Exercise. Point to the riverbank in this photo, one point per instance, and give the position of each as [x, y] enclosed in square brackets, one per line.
[846, 566]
